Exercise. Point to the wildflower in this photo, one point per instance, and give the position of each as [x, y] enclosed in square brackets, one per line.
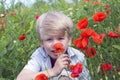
[117, 30]
[81, 43]
[41, 77]
[99, 16]
[106, 5]
[87, 33]
[105, 67]
[95, 3]
[76, 70]
[58, 48]
[117, 71]
[91, 52]
[108, 11]
[12, 13]
[14, 41]
[2, 15]
[98, 38]
[82, 24]
[113, 35]
[37, 16]
[86, 0]
[2, 22]
[22, 37]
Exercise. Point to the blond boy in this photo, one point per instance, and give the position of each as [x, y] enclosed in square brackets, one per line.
[54, 27]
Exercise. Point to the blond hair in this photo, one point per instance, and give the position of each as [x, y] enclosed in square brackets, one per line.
[54, 23]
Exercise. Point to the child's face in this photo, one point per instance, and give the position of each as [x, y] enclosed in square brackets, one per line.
[48, 42]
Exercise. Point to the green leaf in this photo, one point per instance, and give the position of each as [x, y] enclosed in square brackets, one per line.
[31, 26]
[116, 46]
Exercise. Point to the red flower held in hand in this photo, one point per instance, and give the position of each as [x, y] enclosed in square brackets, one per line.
[91, 52]
[105, 67]
[76, 70]
[82, 24]
[41, 77]
[58, 48]
[99, 16]
[22, 37]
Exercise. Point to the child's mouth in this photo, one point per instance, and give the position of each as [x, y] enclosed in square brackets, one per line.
[53, 51]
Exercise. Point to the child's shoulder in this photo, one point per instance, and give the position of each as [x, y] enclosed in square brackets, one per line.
[76, 53]
[39, 52]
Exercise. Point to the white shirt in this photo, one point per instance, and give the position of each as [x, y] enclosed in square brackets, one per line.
[40, 60]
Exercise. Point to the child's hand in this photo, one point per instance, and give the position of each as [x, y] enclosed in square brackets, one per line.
[62, 62]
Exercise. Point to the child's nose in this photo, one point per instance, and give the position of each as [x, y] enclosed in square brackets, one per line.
[54, 42]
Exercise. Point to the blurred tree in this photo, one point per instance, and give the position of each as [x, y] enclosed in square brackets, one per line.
[19, 4]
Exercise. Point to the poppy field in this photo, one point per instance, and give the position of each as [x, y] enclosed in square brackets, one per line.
[96, 34]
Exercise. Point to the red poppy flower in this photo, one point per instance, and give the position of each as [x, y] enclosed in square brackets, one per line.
[95, 3]
[41, 77]
[12, 13]
[37, 16]
[91, 52]
[118, 70]
[87, 33]
[105, 67]
[99, 16]
[108, 11]
[113, 35]
[81, 43]
[58, 48]
[106, 5]
[117, 29]
[86, 0]
[98, 38]
[82, 24]
[76, 70]
[70, 67]
[94, 34]
[2, 22]
[22, 37]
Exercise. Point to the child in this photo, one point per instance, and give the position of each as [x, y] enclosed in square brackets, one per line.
[54, 27]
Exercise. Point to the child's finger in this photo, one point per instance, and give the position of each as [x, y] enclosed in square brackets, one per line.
[63, 55]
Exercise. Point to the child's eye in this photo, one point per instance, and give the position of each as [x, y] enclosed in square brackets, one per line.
[61, 38]
[48, 39]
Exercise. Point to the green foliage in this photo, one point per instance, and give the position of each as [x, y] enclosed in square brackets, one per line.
[14, 53]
